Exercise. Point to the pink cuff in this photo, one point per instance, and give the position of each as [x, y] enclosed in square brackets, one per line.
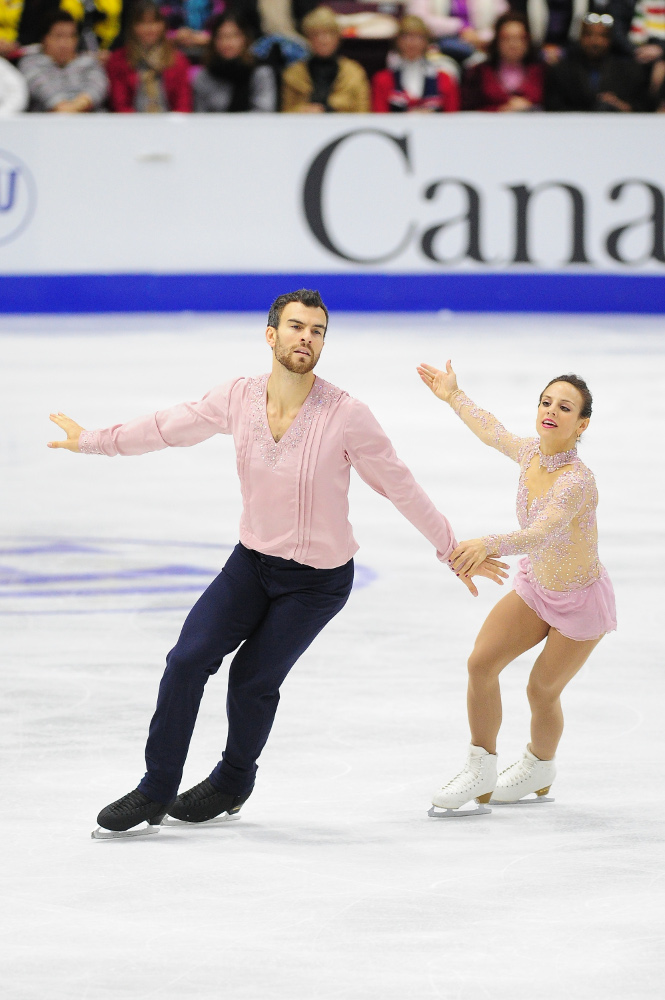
[88, 444]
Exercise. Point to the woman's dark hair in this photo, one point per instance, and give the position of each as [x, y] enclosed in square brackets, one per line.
[58, 17]
[306, 297]
[144, 10]
[241, 24]
[510, 17]
[582, 388]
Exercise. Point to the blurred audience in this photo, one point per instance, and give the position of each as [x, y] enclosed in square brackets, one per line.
[326, 81]
[13, 89]
[412, 82]
[99, 21]
[593, 78]
[461, 27]
[513, 77]
[552, 23]
[232, 80]
[58, 78]
[647, 33]
[148, 74]
[22, 23]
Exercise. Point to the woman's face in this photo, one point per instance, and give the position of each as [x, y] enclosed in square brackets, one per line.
[323, 43]
[149, 31]
[230, 42]
[558, 422]
[411, 45]
[513, 43]
[61, 43]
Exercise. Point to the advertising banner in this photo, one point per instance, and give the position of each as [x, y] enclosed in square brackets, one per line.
[477, 209]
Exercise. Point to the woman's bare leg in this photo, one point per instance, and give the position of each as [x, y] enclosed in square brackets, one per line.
[558, 663]
[508, 631]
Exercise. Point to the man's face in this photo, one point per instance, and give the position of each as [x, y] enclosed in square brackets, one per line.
[323, 43]
[61, 43]
[595, 40]
[298, 341]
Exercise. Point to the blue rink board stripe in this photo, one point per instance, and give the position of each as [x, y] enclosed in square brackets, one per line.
[99, 293]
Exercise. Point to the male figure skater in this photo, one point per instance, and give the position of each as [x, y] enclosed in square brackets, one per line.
[296, 438]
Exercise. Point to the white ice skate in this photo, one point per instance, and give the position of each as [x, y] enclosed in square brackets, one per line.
[477, 781]
[525, 782]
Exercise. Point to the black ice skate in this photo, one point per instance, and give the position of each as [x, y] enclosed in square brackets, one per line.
[204, 804]
[134, 815]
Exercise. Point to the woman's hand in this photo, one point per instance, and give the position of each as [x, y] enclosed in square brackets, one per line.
[442, 384]
[71, 429]
[490, 568]
[468, 557]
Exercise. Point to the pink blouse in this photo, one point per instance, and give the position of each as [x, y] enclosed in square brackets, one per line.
[294, 491]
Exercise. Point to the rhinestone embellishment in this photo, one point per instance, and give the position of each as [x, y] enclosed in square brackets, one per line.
[274, 452]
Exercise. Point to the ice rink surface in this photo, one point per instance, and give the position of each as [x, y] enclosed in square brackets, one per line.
[334, 885]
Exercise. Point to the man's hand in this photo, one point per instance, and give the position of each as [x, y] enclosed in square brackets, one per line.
[468, 557]
[442, 384]
[493, 570]
[71, 429]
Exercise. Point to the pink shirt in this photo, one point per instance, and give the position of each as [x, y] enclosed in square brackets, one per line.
[294, 491]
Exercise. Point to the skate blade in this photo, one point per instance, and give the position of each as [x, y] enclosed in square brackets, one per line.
[438, 812]
[525, 801]
[215, 821]
[141, 831]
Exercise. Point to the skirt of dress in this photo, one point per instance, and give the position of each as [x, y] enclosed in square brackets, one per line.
[587, 613]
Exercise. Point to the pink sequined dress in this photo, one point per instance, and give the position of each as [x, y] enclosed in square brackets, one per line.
[559, 575]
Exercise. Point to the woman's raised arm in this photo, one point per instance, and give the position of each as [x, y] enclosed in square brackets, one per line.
[483, 424]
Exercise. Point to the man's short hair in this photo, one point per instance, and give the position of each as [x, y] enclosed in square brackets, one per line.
[305, 296]
[57, 17]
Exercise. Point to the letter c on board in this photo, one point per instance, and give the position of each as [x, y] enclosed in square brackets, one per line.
[313, 196]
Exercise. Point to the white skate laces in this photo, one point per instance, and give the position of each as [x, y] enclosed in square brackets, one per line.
[526, 781]
[476, 780]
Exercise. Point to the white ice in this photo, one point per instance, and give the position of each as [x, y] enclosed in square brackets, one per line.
[334, 885]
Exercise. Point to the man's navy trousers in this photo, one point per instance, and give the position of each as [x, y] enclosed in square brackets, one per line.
[275, 608]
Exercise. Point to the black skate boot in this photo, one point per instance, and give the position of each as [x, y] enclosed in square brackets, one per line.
[120, 817]
[203, 803]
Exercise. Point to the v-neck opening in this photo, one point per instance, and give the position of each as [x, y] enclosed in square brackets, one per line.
[276, 443]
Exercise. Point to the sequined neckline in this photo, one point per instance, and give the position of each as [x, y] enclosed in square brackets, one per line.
[273, 452]
[554, 462]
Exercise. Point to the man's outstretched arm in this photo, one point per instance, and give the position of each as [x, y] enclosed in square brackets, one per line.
[176, 427]
[372, 455]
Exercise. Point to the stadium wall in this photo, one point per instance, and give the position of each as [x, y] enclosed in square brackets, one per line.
[468, 212]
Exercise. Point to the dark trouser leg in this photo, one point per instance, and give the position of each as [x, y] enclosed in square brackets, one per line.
[229, 611]
[304, 602]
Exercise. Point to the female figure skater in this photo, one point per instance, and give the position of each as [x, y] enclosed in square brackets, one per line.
[561, 592]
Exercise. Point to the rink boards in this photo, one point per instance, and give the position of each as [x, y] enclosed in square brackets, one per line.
[462, 212]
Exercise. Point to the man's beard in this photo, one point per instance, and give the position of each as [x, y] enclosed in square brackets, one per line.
[287, 360]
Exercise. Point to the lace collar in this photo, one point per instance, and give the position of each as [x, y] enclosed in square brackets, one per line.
[554, 462]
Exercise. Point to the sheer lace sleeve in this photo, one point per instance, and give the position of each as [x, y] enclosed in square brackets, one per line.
[486, 427]
[549, 526]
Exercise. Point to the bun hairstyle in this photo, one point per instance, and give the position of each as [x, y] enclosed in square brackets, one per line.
[582, 388]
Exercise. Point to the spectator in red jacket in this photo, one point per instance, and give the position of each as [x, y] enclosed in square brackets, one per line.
[148, 73]
[513, 77]
[412, 82]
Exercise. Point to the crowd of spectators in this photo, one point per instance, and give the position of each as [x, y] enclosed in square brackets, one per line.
[82, 56]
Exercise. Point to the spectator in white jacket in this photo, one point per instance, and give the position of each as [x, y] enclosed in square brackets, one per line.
[461, 27]
[13, 90]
